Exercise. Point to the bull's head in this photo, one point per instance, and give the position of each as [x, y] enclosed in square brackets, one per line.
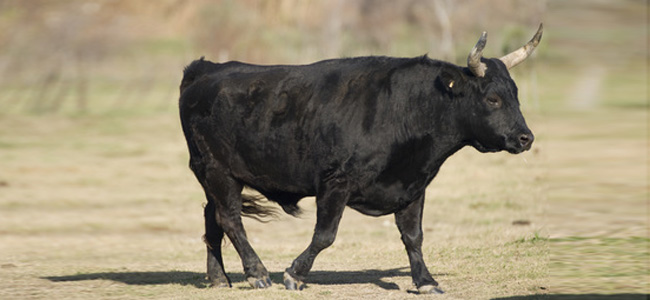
[494, 121]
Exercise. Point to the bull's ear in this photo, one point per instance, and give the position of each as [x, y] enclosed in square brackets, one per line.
[449, 82]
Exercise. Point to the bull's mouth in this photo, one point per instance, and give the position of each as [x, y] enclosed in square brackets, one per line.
[484, 149]
[514, 150]
[513, 146]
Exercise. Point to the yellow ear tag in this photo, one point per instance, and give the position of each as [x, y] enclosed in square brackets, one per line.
[451, 84]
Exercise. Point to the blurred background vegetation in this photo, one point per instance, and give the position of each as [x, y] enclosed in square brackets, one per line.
[121, 55]
[106, 66]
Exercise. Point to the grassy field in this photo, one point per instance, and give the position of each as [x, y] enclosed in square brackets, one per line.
[101, 204]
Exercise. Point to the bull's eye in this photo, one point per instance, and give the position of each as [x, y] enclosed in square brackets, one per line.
[493, 101]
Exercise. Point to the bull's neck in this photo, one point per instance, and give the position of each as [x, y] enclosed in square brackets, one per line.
[445, 130]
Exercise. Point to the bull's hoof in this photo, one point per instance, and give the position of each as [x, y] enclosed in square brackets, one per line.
[259, 283]
[430, 289]
[292, 284]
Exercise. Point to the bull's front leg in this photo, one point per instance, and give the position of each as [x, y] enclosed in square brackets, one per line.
[330, 203]
[409, 223]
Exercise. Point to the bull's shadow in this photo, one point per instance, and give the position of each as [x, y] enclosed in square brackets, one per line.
[198, 279]
[316, 277]
[139, 278]
[375, 277]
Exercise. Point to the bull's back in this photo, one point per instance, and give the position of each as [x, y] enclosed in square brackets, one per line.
[283, 127]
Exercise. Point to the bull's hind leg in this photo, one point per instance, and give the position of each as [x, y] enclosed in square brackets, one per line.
[227, 210]
[409, 222]
[223, 215]
[213, 237]
[213, 231]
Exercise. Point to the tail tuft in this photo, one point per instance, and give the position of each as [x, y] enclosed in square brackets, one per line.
[252, 208]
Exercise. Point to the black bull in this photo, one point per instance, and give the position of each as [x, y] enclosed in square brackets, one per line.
[369, 133]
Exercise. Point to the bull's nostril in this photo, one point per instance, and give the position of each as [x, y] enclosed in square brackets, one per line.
[526, 140]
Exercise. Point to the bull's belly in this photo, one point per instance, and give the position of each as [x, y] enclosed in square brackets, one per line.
[370, 209]
[380, 199]
[378, 204]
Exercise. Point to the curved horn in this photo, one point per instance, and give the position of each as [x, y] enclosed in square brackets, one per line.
[474, 59]
[519, 55]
